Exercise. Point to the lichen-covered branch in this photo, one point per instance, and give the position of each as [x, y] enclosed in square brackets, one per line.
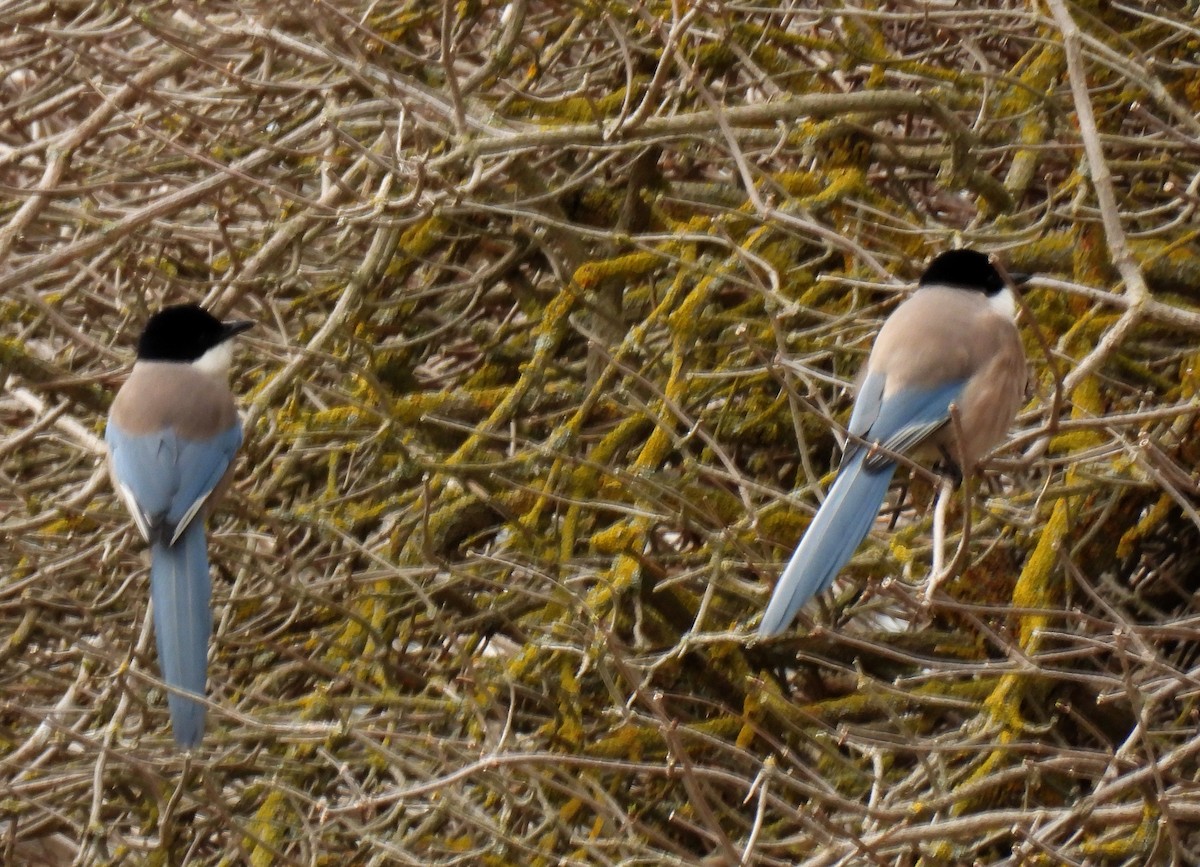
[558, 310]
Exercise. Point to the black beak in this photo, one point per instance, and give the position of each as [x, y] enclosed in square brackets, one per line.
[1019, 278]
[234, 327]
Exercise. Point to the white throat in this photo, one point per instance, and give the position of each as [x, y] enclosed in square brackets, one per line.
[216, 361]
[1004, 303]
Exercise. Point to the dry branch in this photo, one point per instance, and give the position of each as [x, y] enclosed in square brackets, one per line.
[558, 304]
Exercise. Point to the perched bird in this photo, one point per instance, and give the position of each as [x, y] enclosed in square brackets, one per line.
[172, 434]
[953, 343]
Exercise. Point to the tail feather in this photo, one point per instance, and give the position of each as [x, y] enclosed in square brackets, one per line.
[834, 535]
[181, 590]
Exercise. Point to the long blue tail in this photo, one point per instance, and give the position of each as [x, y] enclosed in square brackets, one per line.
[181, 590]
[835, 533]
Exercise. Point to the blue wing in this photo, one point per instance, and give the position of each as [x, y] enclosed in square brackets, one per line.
[866, 404]
[910, 416]
[166, 478]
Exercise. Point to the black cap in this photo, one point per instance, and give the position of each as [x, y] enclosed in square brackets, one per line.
[963, 269]
[184, 332]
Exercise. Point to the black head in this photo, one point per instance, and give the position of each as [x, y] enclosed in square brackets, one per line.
[964, 269]
[184, 332]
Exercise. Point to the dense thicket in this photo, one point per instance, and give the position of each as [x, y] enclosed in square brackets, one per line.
[558, 304]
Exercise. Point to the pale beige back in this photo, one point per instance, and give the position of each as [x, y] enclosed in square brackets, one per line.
[941, 334]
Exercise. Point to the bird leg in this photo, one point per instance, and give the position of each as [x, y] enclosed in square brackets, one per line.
[947, 467]
[898, 506]
[936, 569]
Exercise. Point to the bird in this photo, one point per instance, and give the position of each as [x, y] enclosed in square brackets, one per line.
[172, 433]
[953, 343]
